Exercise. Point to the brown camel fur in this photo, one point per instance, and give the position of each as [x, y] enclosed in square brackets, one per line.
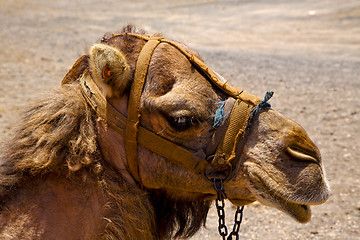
[64, 175]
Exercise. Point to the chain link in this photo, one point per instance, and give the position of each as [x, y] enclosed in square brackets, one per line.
[238, 220]
[220, 207]
[220, 204]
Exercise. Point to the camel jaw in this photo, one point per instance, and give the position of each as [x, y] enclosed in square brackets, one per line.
[300, 212]
[268, 192]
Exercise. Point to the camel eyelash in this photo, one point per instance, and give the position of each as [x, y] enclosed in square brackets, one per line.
[182, 123]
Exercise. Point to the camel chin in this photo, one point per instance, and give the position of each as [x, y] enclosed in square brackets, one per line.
[271, 192]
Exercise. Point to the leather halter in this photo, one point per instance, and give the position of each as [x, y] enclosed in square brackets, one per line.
[229, 147]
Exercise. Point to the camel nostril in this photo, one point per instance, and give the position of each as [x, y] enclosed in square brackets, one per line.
[300, 155]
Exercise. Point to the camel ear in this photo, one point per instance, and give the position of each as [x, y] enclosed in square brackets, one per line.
[109, 69]
[76, 70]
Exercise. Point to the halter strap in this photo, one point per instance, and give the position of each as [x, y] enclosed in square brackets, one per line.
[232, 91]
[134, 135]
[179, 155]
[132, 124]
[229, 147]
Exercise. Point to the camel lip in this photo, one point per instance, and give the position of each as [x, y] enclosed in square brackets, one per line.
[299, 211]
[310, 203]
[266, 193]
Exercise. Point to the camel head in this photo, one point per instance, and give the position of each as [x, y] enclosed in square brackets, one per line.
[273, 160]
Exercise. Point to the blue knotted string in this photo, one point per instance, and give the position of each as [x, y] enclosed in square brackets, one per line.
[219, 114]
[264, 103]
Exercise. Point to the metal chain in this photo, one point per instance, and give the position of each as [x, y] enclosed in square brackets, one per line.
[238, 220]
[220, 207]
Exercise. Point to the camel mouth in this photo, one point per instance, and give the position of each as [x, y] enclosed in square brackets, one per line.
[270, 193]
[299, 211]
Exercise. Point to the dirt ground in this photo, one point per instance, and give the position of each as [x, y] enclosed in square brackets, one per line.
[308, 52]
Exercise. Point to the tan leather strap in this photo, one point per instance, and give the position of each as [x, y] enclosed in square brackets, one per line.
[228, 147]
[132, 125]
[213, 77]
[220, 130]
[175, 153]
[104, 109]
[129, 127]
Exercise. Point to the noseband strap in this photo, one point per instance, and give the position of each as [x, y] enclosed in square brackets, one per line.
[229, 148]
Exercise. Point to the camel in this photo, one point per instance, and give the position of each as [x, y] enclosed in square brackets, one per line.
[108, 156]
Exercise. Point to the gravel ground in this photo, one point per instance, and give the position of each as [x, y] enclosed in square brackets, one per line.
[308, 52]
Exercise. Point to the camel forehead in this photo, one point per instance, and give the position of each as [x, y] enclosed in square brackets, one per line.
[169, 67]
[174, 82]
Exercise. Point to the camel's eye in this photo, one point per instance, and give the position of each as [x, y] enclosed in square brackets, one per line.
[181, 123]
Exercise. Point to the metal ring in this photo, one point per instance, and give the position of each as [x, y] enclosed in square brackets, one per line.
[223, 179]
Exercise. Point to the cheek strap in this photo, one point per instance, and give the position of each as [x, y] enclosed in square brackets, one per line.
[229, 148]
[233, 140]
[220, 129]
[133, 120]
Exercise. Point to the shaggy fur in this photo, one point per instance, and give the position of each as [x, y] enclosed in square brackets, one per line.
[57, 136]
